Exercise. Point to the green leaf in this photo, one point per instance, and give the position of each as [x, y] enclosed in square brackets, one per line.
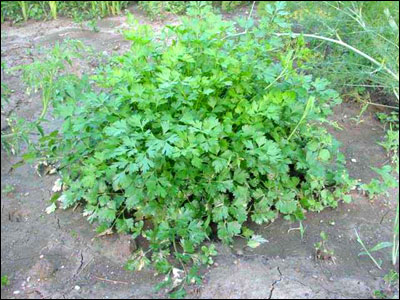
[286, 207]
[324, 155]
[255, 241]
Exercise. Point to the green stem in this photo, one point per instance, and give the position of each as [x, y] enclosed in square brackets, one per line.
[395, 247]
[366, 250]
[309, 105]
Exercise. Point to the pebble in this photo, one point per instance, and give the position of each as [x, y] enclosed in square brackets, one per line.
[331, 279]
[26, 194]
[315, 276]
[16, 292]
[354, 160]
[239, 252]
[41, 256]
[77, 288]
[28, 279]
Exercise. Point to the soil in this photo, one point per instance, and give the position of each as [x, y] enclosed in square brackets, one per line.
[59, 256]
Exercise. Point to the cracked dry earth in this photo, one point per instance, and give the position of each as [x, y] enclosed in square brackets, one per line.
[57, 256]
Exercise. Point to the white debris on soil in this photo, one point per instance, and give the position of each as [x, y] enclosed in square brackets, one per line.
[57, 187]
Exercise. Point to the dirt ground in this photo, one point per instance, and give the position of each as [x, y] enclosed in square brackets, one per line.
[56, 256]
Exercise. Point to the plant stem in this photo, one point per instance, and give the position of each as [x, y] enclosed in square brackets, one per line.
[395, 247]
[339, 42]
[309, 105]
[366, 250]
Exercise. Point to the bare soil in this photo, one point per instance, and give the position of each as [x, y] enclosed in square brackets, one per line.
[57, 256]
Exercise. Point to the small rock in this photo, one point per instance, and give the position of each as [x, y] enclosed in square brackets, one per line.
[239, 252]
[16, 292]
[77, 288]
[26, 194]
[315, 276]
[41, 256]
[331, 279]
[354, 160]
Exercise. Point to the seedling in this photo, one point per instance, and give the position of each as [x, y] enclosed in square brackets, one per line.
[4, 281]
[8, 189]
[321, 250]
[368, 252]
[301, 229]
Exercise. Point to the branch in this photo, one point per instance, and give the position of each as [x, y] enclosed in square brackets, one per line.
[244, 32]
[371, 59]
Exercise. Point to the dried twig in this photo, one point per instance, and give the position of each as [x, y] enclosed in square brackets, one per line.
[109, 280]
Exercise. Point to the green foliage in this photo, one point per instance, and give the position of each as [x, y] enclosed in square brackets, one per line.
[230, 5]
[17, 11]
[321, 249]
[380, 187]
[5, 90]
[157, 9]
[391, 278]
[44, 76]
[4, 281]
[8, 189]
[370, 26]
[203, 128]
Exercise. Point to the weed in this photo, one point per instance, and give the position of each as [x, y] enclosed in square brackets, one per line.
[5, 281]
[391, 279]
[377, 247]
[92, 24]
[301, 229]
[8, 189]
[321, 250]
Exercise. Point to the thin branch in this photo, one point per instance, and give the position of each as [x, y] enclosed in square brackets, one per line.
[382, 105]
[111, 281]
[244, 32]
[371, 59]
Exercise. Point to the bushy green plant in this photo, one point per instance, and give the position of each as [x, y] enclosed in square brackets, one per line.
[193, 133]
[186, 134]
